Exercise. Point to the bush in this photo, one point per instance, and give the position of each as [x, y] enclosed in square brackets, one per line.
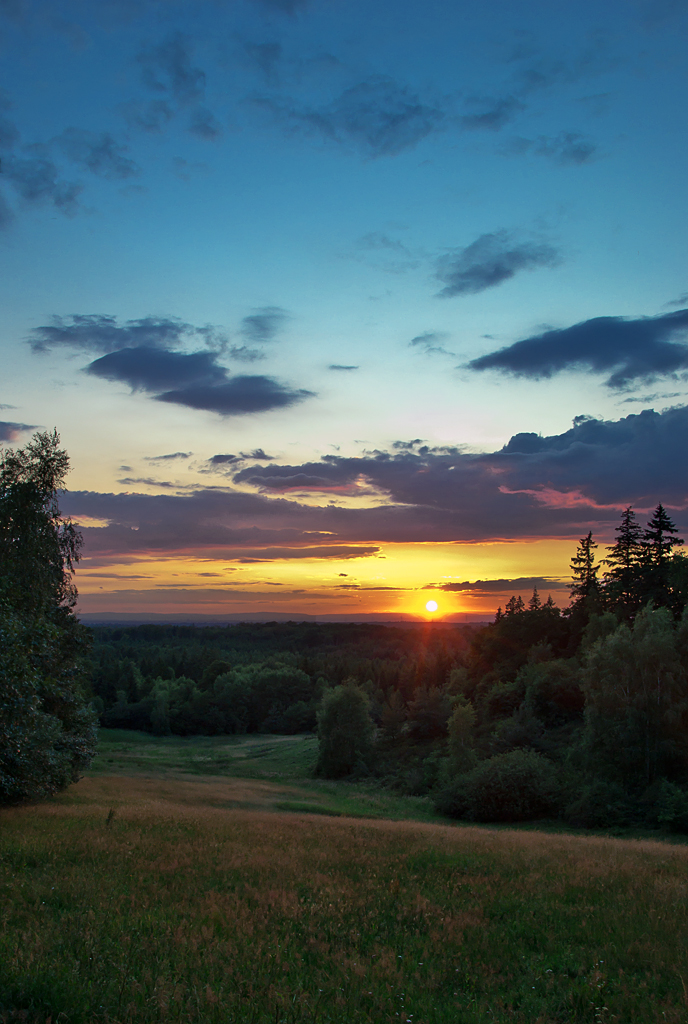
[601, 803]
[516, 786]
[672, 807]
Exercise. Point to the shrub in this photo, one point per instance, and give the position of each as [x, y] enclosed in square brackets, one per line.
[515, 786]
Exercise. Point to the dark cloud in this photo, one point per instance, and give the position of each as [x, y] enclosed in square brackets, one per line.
[148, 481]
[533, 485]
[259, 454]
[502, 586]
[682, 300]
[97, 152]
[102, 333]
[168, 458]
[635, 350]
[560, 486]
[564, 148]
[237, 395]
[152, 116]
[244, 354]
[11, 431]
[430, 341]
[490, 114]
[338, 366]
[204, 125]
[221, 460]
[36, 179]
[167, 68]
[264, 324]
[489, 261]
[153, 369]
[378, 116]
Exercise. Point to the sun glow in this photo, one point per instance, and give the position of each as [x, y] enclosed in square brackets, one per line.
[431, 606]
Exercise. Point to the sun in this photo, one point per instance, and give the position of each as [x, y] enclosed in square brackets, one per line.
[431, 606]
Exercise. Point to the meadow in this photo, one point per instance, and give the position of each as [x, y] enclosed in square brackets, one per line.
[162, 894]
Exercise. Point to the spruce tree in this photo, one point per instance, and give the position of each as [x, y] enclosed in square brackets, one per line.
[623, 579]
[659, 540]
[585, 587]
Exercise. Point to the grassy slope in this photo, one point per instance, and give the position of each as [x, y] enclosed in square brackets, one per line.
[282, 759]
[186, 905]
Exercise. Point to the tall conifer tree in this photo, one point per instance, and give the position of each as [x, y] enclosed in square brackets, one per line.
[622, 581]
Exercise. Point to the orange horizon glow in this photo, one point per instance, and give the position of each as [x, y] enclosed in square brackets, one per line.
[395, 580]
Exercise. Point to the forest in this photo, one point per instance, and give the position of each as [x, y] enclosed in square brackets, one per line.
[579, 713]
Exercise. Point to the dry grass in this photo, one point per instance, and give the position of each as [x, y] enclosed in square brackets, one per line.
[191, 906]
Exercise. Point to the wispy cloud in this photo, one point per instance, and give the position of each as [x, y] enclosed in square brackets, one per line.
[430, 342]
[564, 148]
[379, 117]
[264, 324]
[491, 260]
[102, 333]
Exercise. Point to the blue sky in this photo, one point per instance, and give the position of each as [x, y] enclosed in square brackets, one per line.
[475, 214]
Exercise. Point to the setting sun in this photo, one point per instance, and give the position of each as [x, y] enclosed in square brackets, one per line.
[431, 606]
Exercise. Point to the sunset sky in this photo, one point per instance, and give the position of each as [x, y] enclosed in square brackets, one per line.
[341, 307]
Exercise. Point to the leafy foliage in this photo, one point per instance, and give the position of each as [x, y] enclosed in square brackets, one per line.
[345, 732]
[47, 731]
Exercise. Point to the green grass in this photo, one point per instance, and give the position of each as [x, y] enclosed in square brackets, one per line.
[150, 899]
[286, 757]
[283, 759]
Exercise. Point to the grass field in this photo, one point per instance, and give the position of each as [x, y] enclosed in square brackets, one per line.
[168, 898]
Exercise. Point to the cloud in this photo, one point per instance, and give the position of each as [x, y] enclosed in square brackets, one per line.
[237, 395]
[203, 125]
[11, 431]
[97, 152]
[221, 460]
[564, 148]
[244, 354]
[102, 333]
[264, 325]
[154, 369]
[532, 485]
[558, 486]
[166, 68]
[635, 350]
[378, 116]
[193, 379]
[150, 117]
[429, 343]
[339, 366]
[500, 586]
[167, 458]
[489, 261]
[258, 453]
[682, 300]
[491, 114]
[36, 179]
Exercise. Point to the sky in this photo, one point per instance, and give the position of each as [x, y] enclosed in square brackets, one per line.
[342, 307]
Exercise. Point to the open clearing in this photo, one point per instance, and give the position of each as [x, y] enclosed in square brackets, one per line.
[136, 899]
